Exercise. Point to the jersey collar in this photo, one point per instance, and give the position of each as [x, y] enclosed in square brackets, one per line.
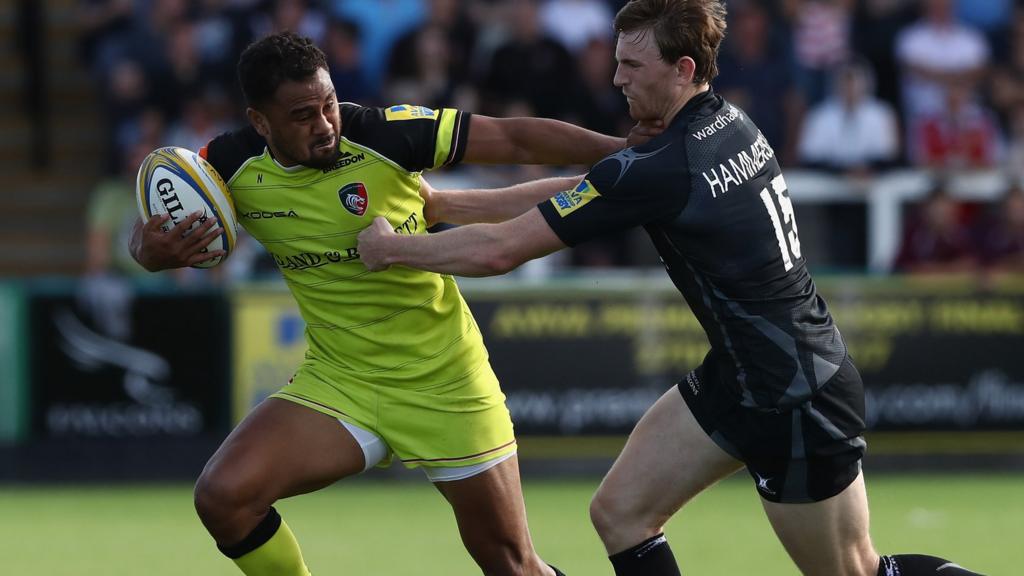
[702, 104]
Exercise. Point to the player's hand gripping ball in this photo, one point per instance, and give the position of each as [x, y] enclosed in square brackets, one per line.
[178, 182]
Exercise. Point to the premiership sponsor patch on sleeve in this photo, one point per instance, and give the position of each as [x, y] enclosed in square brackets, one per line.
[569, 201]
[407, 112]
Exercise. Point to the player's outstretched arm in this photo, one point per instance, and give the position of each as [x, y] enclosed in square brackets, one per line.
[157, 250]
[489, 205]
[545, 141]
[535, 141]
[474, 250]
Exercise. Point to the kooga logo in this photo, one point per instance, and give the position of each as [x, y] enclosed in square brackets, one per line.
[262, 215]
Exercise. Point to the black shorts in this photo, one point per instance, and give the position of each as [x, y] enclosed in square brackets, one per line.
[805, 454]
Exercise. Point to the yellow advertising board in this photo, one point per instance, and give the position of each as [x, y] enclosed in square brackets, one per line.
[591, 357]
[269, 344]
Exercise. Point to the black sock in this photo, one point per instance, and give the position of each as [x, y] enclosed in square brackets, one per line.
[919, 565]
[652, 557]
[263, 531]
[557, 571]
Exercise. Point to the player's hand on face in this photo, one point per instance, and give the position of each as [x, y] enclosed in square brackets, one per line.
[372, 244]
[177, 247]
[643, 131]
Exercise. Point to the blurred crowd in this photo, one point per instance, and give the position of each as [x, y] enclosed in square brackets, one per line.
[851, 87]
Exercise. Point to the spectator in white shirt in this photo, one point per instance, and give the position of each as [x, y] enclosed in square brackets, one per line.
[851, 131]
[938, 52]
[575, 22]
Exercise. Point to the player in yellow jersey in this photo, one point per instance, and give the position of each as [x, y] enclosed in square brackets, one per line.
[396, 367]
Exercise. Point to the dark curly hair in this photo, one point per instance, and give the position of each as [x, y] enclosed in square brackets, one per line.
[274, 59]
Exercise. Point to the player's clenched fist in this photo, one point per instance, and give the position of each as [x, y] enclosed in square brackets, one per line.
[373, 244]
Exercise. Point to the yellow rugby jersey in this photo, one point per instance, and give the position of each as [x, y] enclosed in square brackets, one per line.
[401, 327]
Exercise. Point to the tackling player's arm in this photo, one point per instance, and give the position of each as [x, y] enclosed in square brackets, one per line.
[155, 250]
[494, 205]
[610, 198]
[474, 250]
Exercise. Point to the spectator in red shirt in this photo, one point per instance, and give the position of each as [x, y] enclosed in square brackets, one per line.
[935, 238]
[1002, 245]
[963, 135]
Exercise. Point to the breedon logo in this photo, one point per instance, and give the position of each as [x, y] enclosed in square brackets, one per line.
[353, 198]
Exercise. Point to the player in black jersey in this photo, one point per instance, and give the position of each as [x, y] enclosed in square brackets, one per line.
[777, 393]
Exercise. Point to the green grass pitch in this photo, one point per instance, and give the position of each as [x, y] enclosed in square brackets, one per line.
[404, 528]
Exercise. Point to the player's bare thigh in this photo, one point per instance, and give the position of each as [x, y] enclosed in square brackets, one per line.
[667, 460]
[280, 449]
[491, 516]
[828, 537]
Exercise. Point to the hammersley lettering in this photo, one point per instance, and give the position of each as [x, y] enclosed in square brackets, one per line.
[740, 167]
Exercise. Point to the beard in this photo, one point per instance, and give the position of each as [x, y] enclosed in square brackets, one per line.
[320, 159]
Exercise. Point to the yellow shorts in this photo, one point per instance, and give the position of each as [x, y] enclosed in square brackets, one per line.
[452, 424]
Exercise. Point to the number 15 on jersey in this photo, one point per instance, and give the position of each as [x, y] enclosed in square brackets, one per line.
[789, 243]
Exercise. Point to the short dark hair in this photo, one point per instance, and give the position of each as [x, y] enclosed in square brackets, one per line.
[274, 59]
[693, 28]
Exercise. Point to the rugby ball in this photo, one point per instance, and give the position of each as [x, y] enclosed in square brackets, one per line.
[179, 182]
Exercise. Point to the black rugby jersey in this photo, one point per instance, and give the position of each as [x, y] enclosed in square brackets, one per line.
[711, 195]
